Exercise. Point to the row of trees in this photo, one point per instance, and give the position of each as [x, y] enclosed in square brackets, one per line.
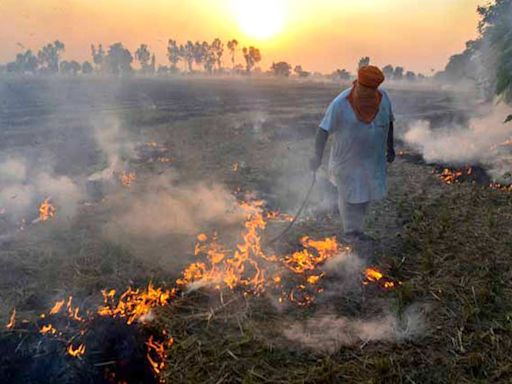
[117, 59]
[397, 73]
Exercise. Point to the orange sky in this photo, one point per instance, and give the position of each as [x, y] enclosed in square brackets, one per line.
[319, 34]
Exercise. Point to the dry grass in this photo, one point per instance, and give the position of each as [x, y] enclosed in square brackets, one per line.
[452, 251]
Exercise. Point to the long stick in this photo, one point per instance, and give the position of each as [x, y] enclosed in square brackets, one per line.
[296, 217]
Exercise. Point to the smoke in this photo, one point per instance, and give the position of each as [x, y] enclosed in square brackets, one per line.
[161, 206]
[23, 187]
[349, 323]
[478, 143]
[115, 143]
[328, 332]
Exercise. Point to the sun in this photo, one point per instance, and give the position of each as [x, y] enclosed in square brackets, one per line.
[259, 19]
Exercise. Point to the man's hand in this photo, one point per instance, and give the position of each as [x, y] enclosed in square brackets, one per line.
[390, 156]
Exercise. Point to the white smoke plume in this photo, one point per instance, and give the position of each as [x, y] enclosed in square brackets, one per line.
[328, 332]
[161, 207]
[24, 187]
[480, 142]
[115, 143]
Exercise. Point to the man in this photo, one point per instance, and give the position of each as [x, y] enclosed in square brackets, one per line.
[361, 121]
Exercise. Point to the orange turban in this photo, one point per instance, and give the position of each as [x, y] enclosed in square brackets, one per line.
[370, 76]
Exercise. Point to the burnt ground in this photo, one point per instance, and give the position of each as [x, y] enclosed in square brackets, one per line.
[449, 245]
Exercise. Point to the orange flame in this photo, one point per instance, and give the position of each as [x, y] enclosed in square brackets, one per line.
[79, 351]
[373, 275]
[248, 266]
[57, 307]
[12, 320]
[46, 210]
[48, 329]
[159, 350]
[127, 178]
[134, 304]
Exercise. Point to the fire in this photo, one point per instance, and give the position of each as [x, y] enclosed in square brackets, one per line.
[134, 304]
[12, 320]
[57, 307]
[243, 267]
[235, 167]
[373, 275]
[278, 216]
[48, 329]
[76, 352]
[247, 266]
[451, 177]
[127, 178]
[306, 260]
[251, 269]
[156, 354]
[501, 187]
[46, 210]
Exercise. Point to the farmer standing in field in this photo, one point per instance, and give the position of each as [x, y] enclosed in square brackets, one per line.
[361, 121]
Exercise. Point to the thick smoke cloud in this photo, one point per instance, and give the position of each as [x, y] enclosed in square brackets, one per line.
[478, 143]
[161, 206]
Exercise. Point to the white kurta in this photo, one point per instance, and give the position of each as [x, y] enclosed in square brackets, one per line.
[357, 162]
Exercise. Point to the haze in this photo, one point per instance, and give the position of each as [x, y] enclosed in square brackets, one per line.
[320, 35]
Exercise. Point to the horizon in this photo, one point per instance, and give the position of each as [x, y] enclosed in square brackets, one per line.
[323, 37]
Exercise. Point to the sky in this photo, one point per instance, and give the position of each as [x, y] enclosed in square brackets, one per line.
[320, 35]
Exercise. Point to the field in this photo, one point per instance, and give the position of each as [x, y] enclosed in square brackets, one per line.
[138, 168]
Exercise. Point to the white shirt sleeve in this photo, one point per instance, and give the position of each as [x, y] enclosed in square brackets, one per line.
[330, 119]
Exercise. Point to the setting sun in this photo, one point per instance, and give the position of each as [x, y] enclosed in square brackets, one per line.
[262, 19]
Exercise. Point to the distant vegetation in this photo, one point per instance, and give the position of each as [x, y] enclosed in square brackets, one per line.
[190, 57]
[487, 61]
[117, 59]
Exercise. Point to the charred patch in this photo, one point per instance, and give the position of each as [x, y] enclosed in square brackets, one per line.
[113, 352]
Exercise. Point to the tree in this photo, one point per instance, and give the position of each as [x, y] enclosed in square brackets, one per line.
[163, 69]
[282, 69]
[232, 45]
[199, 51]
[98, 57]
[208, 56]
[341, 74]
[410, 76]
[398, 73]
[217, 50]
[49, 56]
[301, 72]
[119, 59]
[87, 68]
[252, 56]
[388, 71]
[25, 62]
[363, 62]
[174, 54]
[145, 59]
[188, 54]
[496, 30]
[70, 67]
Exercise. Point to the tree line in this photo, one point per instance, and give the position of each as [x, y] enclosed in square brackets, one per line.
[189, 57]
[116, 59]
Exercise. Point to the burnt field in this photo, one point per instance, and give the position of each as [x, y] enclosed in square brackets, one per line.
[151, 202]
